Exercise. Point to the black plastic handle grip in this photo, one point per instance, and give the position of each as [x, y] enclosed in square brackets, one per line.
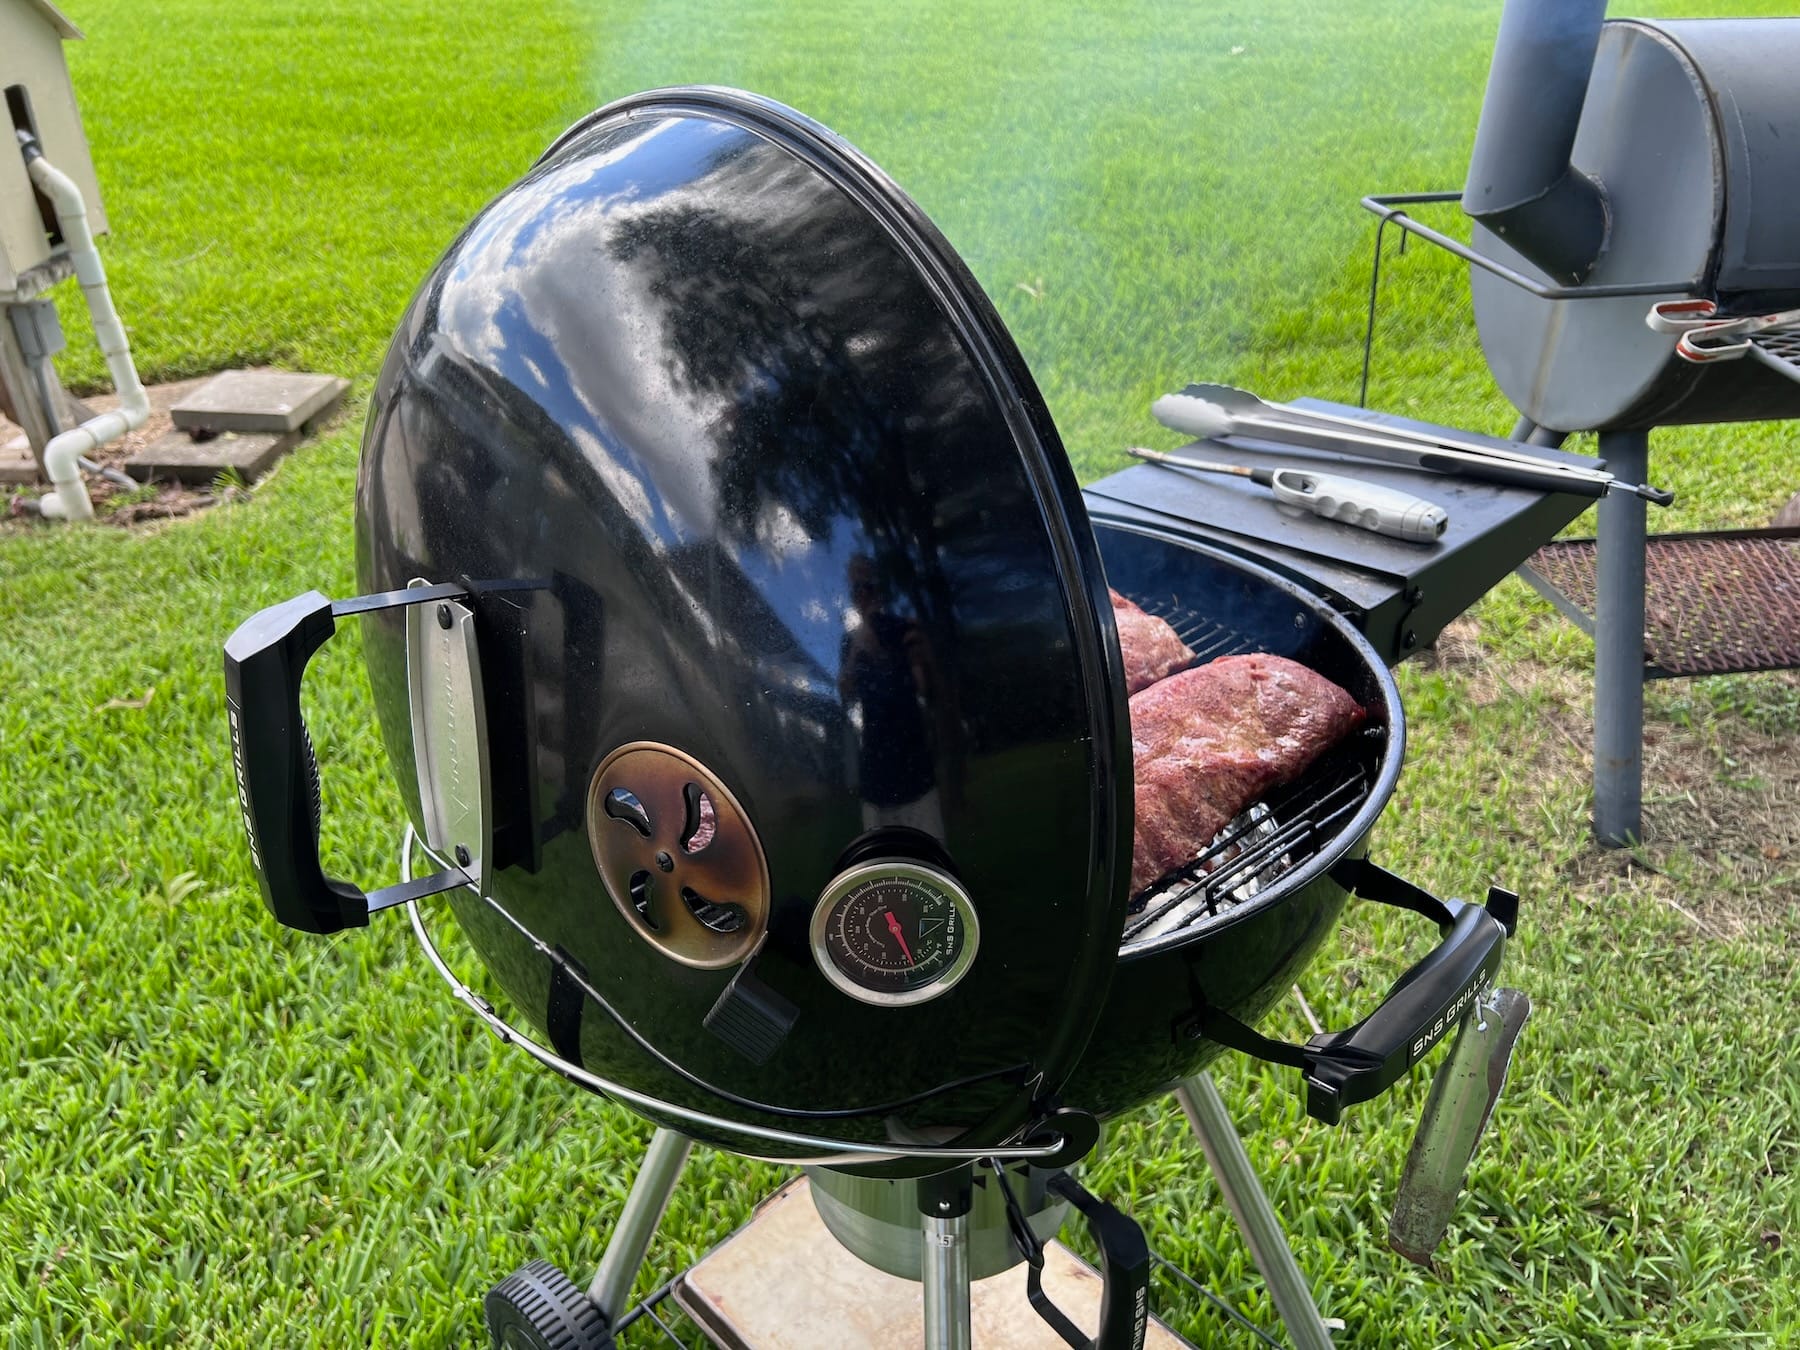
[1342, 1068]
[1125, 1256]
[1125, 1278]
[1424, 1004]
[272, 758]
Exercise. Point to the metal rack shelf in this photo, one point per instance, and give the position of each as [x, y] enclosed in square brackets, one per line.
[1717, 603]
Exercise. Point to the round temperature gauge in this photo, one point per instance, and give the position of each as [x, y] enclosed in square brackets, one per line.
[894, 932]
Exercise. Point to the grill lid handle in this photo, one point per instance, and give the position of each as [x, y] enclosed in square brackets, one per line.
[1342, 1068]
[277, 775]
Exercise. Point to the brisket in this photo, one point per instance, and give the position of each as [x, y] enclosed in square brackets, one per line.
[1208, 743]
[1152, 649]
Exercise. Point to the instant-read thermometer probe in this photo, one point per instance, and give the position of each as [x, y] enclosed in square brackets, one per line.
[1368, 506]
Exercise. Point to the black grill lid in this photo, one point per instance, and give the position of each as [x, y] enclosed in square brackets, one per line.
[802, 515]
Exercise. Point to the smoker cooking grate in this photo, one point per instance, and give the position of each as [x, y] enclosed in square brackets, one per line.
[1718, 603]
[1267, 840]
[1780, 349]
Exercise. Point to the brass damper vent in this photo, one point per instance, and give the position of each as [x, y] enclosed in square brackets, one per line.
[678, 855]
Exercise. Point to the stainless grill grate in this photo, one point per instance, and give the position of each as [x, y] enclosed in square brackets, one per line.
[1208, 638]
[1269, 839]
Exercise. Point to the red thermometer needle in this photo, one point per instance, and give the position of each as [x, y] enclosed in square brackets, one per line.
[894, 928]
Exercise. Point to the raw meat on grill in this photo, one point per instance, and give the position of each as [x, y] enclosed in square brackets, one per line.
[1151, 648]
[1208, 743]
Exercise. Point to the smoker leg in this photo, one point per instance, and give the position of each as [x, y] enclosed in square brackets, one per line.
[1619, 646]
[1530, 433]
[944, 1202]
[1256, 1219]
[650, 1192]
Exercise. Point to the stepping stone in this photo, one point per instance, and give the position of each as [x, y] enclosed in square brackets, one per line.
[17, 464]
[179, 456]
[259, 401]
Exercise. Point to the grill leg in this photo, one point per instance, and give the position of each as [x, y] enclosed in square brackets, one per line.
[944, 1202]
[650, 1192]
[1255, 1216]
[1619, 646]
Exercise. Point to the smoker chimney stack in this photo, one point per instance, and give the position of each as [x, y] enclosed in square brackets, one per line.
[1521, 183]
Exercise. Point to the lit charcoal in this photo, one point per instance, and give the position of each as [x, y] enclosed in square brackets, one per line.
[1246, 856]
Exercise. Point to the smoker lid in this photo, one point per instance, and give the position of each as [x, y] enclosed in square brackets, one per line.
[805, 519]
[1745, 68]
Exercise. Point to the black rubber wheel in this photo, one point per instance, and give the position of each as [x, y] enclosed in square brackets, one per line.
[537, 1307]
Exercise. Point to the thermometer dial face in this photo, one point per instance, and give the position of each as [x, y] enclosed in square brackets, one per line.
[894, 932]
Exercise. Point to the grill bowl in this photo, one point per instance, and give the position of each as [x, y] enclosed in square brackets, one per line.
[1240, 955]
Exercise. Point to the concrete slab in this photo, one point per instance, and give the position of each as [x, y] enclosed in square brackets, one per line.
[259, 400]
[783, 1282]
[18, 467]
[17, 464]
[180, 457]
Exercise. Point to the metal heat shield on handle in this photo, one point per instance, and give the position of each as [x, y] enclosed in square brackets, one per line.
[1463, 1095]
[449, 731]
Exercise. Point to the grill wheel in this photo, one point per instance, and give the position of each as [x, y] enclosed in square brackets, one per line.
[537, 1307]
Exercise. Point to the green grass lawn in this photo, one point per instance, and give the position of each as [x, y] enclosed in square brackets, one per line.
[213, 1133]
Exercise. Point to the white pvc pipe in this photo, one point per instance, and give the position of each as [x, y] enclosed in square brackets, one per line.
[68, 499]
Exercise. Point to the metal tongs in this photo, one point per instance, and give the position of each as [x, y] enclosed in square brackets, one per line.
[1208, 410]
[1707, 336]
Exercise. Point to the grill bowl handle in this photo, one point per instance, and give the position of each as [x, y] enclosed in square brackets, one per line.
[1423, 1006]
[276, 773]
[1342, 1068]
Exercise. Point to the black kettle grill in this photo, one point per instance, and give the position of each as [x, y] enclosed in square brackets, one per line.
[742, 649]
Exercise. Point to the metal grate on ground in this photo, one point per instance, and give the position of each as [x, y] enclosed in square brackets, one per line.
[1719, 603]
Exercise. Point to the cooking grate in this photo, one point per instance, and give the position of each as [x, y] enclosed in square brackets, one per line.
[1714, 604]
[1207, 638]
[1267, 840]
[1780, 349]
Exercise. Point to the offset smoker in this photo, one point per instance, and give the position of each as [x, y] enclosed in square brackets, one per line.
[1621, 165]
[1660, 157]
[742, 648]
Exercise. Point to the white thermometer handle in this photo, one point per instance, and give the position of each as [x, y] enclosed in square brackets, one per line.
[1367, 506]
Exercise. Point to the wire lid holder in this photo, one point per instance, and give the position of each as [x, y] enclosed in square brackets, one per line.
[1055, 1151]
